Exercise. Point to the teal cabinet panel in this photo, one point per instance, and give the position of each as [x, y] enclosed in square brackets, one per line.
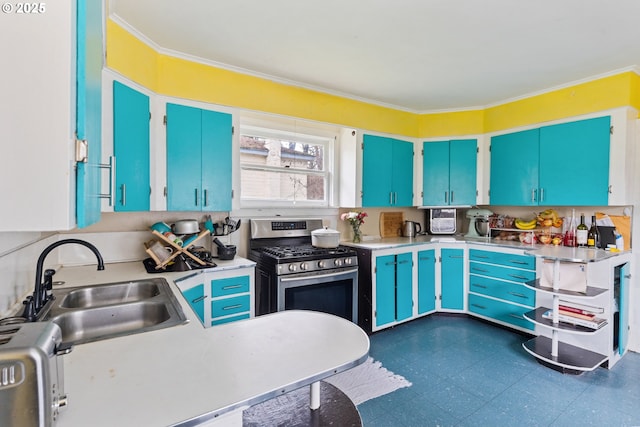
[377, 171]
[402, 177]
[228, 306]
[435, 175]
[223, 320]
[499, 310]
[198, 159]
[404, 286]
[385, 289]
[230, 286]
[449, 172]
[510, 260]
[131, 149]
[558, 165]
[184, 167]
[216, 161]
[452, 279]
[195, 297]
[504, 273]
[574, 163]
[463, 161]
[504, 290]
[387, 172]
[514, 168]
[88, 120]
[426, 281]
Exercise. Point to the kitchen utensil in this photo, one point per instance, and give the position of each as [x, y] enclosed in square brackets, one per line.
[186, 226]
[161, 227]
[325, 238]
[225, 252]
[411, 229]
[208, 224]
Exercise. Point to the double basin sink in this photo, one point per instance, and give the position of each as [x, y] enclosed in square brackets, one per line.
[96, 312]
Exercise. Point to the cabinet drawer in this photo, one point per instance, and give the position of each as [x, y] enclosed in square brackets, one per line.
[228, 306]
[229, 286]
[503, 290]
[503, 273]
[519, 261]
[499, 310]
[220, 321]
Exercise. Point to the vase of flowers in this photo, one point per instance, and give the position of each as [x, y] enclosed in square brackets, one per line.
[355, 220]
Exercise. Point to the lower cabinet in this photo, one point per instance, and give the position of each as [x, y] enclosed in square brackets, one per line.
[496, 286]
[426, 281]
[218, 297]
[394, 288]
[452, 279]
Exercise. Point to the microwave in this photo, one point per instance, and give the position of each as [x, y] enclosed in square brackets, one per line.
[441, 221]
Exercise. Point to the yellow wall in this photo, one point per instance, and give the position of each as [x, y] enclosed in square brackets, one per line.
[180, 78]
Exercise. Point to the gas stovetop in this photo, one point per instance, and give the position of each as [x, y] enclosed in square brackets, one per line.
[306, 251]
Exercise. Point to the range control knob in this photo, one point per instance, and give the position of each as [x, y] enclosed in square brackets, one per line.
[338, 262]
[304, 266]
[292, 267]
[322, 264]
[348, 261]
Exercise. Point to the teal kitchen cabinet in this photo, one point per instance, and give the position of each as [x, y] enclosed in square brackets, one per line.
[452, 279]
[218, 297]
[426, 281]
[198, 159]
[51, 88]
[131, 149]
[387, 172]
[559, 165]
[497, 290]
[449, 172]
[393, 288]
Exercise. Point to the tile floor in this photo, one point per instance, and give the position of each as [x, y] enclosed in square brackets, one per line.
[470, 373]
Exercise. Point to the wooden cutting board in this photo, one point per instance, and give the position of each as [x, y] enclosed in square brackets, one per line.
[391, 224]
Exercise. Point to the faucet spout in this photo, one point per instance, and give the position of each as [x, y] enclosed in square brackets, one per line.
[41, 292]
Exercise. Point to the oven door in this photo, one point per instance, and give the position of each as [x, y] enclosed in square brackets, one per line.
[333, 291]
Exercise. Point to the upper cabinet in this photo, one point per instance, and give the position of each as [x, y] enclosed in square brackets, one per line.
[51, 93]
[131, 149]
[449, 172]
[387, 172]
[560, 165]
[198, 159]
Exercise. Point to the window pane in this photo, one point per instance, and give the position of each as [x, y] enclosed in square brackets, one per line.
[281, 153]
[282, 186]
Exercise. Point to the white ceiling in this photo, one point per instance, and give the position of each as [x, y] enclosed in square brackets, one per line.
[417, 55]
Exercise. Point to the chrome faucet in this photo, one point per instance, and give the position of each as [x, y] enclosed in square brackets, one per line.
[42, 290]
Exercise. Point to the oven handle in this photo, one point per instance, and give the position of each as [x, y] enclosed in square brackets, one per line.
[321, 276]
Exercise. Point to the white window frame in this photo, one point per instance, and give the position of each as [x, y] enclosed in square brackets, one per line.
[298, 131]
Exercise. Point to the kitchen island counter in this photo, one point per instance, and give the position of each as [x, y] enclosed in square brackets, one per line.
[189, 375]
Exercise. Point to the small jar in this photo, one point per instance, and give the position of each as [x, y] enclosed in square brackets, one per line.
[172, 237]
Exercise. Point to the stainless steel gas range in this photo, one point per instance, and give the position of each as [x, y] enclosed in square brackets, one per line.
[293, 274]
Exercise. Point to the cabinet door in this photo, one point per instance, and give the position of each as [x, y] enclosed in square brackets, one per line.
[426, 281]
[623, 308]
[184, 145]
[435, 177]
[216, 161]
[404, 286]
[195, 297]
[463, 155]
[574, 163]
[131, 149]
[376, 171]
[514, 168]
[89, 59]
[452, 279]
[385, 289]
[402, 173]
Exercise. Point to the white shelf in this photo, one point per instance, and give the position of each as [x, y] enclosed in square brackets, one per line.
[535, 316]
[591, 292]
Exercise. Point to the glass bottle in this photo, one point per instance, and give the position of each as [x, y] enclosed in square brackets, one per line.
[570, 234]
[593, 236]
[581, 233]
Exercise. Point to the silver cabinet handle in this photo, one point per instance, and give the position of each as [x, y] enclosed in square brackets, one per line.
[196, 196]
[481, 270]
[516, 294]
[391, 197]
[513, 261]
[541, 194]
[446, 195]
[225, 288]
[203, 297]
[206, 202]
[518, 277]
[482, 307]
[112, 180]
[479, 286]
[452, 196]
[123, 199]
[515, 316]
[232, 307]
[533, 195]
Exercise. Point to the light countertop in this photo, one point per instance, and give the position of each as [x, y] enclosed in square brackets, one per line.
[189, 372]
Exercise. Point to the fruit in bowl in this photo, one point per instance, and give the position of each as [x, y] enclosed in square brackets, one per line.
[556, 240]
[545, 239]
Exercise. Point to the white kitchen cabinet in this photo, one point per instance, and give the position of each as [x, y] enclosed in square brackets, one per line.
[50, 95]
[598, 282]
[219, 297]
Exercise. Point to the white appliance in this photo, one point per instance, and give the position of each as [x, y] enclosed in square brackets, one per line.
[478, 222]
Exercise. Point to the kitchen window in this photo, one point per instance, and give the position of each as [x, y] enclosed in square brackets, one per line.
[285, 168]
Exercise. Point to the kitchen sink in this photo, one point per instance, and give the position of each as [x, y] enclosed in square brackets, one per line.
[98, 312]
